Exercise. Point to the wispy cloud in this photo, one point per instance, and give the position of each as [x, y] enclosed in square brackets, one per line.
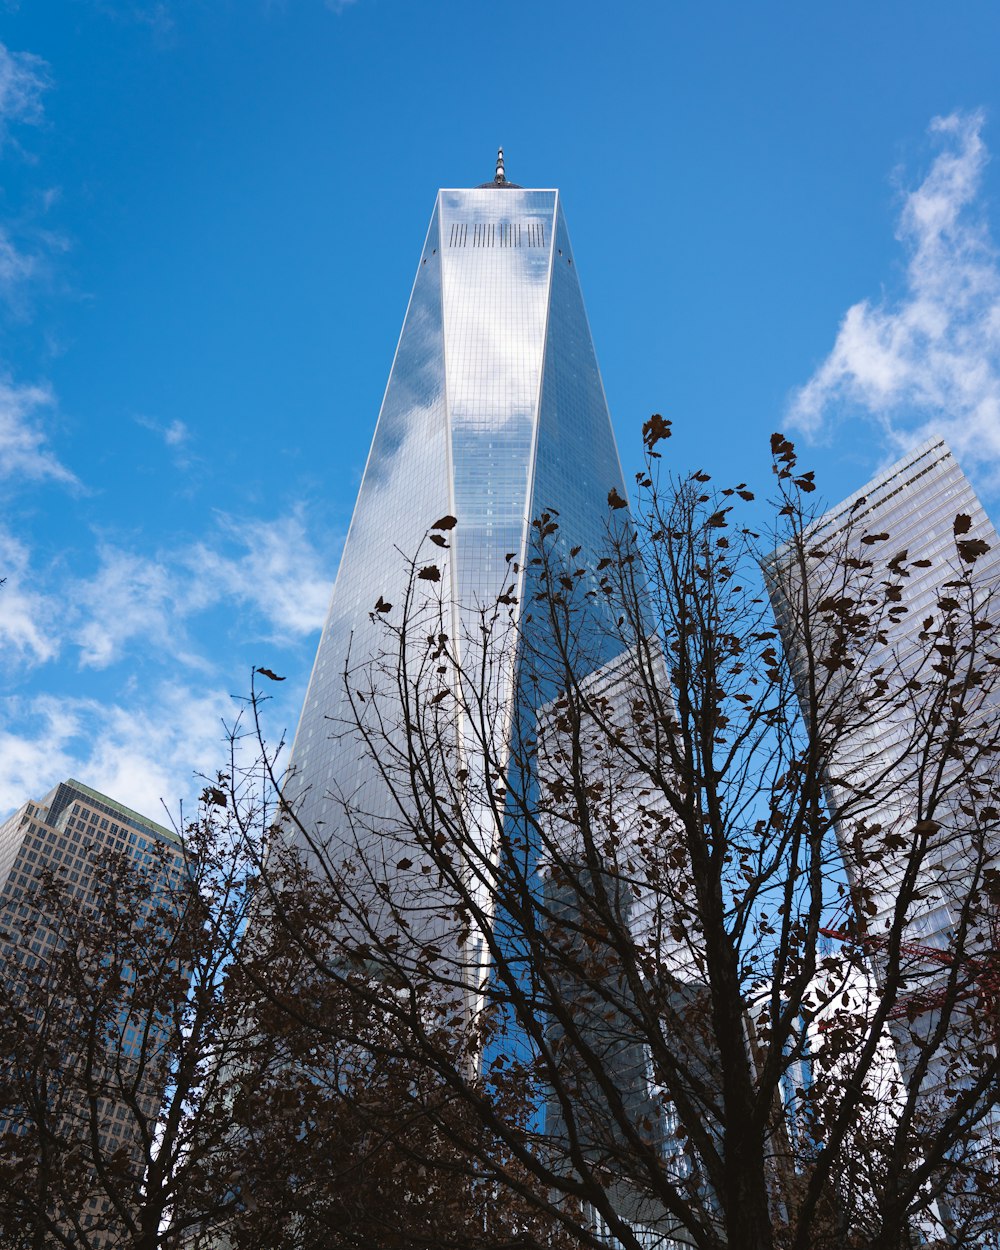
[269, 569]
[279, 573]
[24, 79]
[28, 618]
[176, 437]
[927, 360]
[16, 266]
[26, 256]
[24, 450]
[144, 743]
[140, 753]
[175, 434]
[129, 597]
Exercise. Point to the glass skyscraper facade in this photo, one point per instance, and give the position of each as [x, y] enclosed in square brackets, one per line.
[917, 842]
[494, 415]
[494, 411]
[907, 513]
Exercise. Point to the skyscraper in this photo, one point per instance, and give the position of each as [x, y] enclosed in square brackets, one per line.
[494, 411]
[494, 421]
[105, 1086]
[905, 526]
[895, 590]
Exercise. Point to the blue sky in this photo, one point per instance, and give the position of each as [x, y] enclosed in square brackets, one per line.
[784, 216]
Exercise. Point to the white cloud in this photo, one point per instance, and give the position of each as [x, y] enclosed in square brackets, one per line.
[280, 573]
[139, 754]
[27, 617]
[23, 270]
[23, 443]
[174, 435]
[927, 361]
[147, 741]
[144, 754]
[16, 267]
[271, 568]
[129, 597]
[23, 79]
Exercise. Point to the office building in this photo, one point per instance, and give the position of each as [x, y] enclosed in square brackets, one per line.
[64, 831]
[898, 531]
[94, 1085]
[896, 590]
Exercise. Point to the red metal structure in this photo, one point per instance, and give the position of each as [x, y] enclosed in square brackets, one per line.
[981, 980]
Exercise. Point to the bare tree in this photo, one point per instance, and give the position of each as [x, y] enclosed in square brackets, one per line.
[167, 1079]
[618, 937]
[120, 1043]
[591, 897]
[351, 1140]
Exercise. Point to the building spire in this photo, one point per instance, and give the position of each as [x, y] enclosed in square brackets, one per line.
[499, 179]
